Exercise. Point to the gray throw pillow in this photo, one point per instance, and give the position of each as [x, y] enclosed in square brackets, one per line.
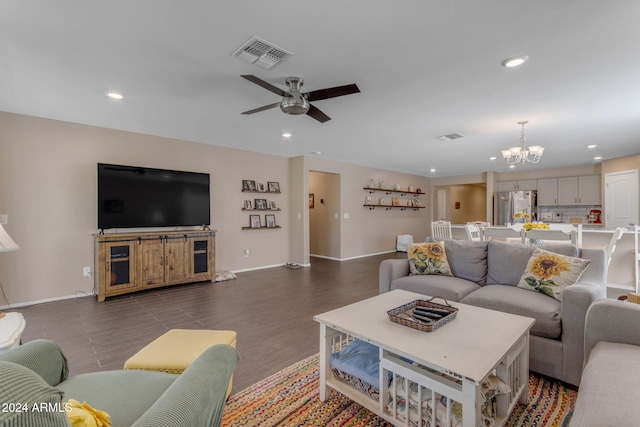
[468, 260]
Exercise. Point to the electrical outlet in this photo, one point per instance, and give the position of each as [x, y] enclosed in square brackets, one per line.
[4, 219]
[246, 252]
[86, 271]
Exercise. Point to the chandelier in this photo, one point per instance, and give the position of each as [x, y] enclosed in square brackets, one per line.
[515, 155]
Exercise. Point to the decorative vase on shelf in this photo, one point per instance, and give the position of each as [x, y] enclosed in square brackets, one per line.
[371, 184]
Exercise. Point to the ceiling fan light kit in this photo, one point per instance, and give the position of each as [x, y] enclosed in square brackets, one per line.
[294, 102]
[515, 155]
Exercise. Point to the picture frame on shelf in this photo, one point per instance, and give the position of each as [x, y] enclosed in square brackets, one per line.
[270, 220]
[260, 204]
[312, 201]
[248, 185]
[261, 187]
[273, 205]
[273, 187]
[254, 221]
[248, 205]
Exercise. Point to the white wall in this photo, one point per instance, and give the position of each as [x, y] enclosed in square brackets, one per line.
[366, 231]
[48, 188]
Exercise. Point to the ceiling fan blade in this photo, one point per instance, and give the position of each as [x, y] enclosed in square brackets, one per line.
[317, 114]
[266, 107]
[267, 86]
[332, 92]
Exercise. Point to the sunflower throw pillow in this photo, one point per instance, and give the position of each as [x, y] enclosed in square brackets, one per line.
[550, 273]
[429, 258]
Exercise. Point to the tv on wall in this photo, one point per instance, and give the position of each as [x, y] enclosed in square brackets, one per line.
[133, 196]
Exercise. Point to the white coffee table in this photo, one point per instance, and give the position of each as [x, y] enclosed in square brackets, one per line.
[11, 327]
[458, 355]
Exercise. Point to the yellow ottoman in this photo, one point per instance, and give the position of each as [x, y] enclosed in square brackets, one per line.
[174, 351]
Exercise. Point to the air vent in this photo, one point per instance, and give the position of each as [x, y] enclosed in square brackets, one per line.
[262, 53]
[450, 136]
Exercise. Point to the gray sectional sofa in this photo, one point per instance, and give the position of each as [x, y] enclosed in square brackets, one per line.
[609, 392]
[486, 274]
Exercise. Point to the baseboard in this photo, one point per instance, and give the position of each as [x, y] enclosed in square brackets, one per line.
[265, 267]
[41, 301]
[353, 257]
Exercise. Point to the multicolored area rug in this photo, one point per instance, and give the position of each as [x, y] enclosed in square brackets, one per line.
[291, 398]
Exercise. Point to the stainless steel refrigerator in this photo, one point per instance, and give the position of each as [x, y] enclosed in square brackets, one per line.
[507, 204]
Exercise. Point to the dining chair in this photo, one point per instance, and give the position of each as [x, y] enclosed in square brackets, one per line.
[538, 235]
[480, 224]
[473, 232]
[441, 230]
[500, 233]
[617, 234]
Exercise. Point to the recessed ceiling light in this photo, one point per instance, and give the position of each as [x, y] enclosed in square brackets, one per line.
[512, 166]
[432, 170]
[286, 135]
[592, 146]
[515, 61]
[492, 158]
[317, 153]
[115, 95]
[597, 158]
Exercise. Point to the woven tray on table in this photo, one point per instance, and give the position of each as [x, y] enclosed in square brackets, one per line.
[404, 314]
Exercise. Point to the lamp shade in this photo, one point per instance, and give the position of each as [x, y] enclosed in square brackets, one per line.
[6, 242]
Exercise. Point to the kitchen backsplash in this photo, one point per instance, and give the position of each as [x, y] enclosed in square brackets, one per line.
[567, 212]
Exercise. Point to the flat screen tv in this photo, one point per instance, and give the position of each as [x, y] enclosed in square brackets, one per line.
[132, 196]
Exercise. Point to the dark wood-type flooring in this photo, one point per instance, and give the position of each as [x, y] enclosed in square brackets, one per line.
[272, 311]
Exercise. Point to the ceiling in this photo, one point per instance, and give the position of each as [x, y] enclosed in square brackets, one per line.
[424, 68]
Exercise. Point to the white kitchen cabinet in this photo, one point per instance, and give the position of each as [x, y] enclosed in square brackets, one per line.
[569, 191]
[530, 184]
[579, 191]
[589, 192]
[548, 192]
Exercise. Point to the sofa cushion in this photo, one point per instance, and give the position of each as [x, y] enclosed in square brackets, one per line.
[429, 258]
[506, 261]
[136, 392]
[550, 273]
[609, 392]
[21, 390]
[468, 260]
[449, 287]
[511, 299]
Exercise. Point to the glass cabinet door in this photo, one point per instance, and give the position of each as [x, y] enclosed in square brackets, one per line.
[201, 256]
[120, 265]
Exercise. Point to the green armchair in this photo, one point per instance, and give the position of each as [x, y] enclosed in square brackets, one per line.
[36, 374]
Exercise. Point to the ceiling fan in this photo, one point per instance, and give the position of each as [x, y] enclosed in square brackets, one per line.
[295, 102]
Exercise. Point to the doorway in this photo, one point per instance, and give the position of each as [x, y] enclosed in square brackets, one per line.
[324, 215]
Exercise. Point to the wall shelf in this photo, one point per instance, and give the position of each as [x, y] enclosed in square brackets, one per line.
[260, 192]
[389, 191]
[269, 215]
[260, 228]
[387, 207]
